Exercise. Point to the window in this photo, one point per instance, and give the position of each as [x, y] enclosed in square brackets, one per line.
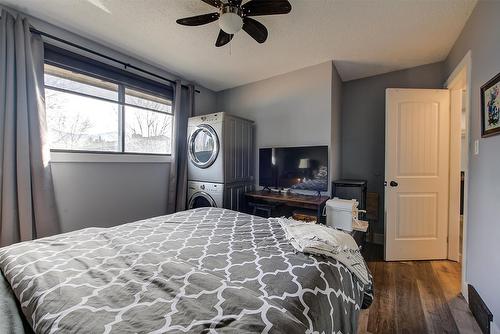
[96, 113]
[148, 122]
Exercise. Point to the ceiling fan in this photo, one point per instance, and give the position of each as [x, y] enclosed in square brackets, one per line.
[234, 16]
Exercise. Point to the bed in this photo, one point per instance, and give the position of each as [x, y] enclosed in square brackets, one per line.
[205, 270]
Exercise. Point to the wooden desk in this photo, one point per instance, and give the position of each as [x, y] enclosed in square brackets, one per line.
[293, 200]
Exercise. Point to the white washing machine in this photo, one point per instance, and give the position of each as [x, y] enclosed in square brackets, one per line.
[217, 195]
[205, 194]
[220, 149]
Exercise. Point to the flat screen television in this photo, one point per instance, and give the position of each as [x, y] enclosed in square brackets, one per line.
[300, 168]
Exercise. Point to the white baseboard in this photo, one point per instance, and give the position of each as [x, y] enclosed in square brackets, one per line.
[494, 328]
[378, 238]
[465, 291]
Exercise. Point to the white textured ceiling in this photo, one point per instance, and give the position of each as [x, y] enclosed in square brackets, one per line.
[364, 37]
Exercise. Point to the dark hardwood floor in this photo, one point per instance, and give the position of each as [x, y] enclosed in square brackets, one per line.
[415, 297]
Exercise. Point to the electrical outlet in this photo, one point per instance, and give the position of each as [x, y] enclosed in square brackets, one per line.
[476, 147]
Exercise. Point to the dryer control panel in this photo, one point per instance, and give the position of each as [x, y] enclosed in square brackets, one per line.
[206, 119]
[206, 187]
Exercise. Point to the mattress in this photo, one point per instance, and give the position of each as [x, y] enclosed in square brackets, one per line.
[205, 270]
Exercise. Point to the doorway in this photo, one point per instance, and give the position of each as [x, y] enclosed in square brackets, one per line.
[399, 236]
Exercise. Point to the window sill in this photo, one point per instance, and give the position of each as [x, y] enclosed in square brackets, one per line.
[84, 157]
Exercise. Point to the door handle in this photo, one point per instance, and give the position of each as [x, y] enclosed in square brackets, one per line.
[393, 184]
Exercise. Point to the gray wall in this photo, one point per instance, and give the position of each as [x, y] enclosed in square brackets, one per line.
[107, 194]
[481, 36]
[205, 102]
[363, 123]
[293, 109]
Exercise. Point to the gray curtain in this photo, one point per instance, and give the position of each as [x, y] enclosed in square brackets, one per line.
[183, 109]
[27, 204]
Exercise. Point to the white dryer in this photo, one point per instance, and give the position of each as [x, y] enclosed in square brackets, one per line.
[220, 149]
[205, 148]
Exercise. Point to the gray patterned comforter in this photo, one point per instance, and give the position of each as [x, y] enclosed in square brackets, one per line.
[199, 271]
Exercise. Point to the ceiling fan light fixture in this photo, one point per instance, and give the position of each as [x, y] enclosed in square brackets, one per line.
[230, 20]
[234, 15]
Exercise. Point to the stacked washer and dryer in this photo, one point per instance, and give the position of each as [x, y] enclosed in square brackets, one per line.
[221, 161]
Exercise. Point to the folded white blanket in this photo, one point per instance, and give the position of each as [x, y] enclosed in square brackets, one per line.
[322, 240]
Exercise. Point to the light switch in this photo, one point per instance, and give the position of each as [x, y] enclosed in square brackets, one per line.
[476, 147]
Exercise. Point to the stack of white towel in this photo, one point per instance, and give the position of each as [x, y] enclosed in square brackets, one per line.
[322, 240]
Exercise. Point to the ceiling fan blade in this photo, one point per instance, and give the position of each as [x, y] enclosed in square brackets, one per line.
[266, 7]
[223, 39]
[99, 5]
[255, 29]
[214, 3]
[198, 20]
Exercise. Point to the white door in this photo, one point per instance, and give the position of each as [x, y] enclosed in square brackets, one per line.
[417, 174]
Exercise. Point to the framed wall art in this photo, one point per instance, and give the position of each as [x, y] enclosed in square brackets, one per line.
[490, 107]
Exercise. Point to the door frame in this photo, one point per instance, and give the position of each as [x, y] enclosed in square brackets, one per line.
[454, 82]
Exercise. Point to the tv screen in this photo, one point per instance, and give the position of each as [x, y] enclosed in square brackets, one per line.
[300, 168]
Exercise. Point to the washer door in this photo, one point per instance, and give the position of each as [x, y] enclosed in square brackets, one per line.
[203, 146]
[201, 199]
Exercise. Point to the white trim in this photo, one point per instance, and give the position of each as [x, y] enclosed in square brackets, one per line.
[68, 157]
[494, 328]
[456, 101]
[465, 291]
[466, 63]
